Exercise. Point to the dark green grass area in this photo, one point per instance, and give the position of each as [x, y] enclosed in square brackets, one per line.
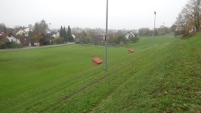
[163, 78]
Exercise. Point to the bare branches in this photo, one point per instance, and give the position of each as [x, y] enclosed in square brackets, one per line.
[190, 15]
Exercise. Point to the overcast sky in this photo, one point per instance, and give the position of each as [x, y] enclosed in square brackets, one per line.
[123, 14]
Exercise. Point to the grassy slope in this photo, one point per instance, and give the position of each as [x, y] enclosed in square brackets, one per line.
[137, 82]
[171, 83]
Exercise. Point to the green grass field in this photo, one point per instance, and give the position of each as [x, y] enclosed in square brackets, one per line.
[164, 78]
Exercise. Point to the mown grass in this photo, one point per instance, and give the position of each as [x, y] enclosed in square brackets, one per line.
[25, 69]
[169, 84]
[65, 81]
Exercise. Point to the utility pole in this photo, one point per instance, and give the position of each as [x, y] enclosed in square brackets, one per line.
[50, 33]
[154, 29]
[106, 35]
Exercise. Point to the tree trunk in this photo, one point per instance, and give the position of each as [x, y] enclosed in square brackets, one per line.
[198, 22]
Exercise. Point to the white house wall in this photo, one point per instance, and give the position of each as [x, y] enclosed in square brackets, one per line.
[20, 32]
[11, 38]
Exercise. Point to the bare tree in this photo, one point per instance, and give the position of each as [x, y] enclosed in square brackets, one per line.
[30, 27]
[144, 31]
[190, 15]
[40, 30]
[2, 27]
[41, 27]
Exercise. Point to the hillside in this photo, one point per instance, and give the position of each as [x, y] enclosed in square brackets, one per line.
[165, 78]
[168, 83]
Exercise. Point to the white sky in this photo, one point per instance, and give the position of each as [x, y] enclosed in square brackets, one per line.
[128, 14]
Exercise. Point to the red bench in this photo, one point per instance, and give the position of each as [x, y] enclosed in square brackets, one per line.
[130, 50]
[97, 61]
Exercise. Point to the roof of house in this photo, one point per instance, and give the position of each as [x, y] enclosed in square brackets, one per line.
[15, 30]
[3, 35]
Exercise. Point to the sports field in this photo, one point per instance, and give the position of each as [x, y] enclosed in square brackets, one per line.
[63, 79]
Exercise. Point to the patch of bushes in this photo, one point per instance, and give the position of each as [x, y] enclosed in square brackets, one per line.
[58, 40]
[7, 44]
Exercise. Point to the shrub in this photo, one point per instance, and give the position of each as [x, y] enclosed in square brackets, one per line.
[58, 40]
[134, 39]
[7, 44]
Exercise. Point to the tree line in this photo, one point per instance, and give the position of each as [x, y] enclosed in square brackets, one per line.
[188, 20]
[162, 30]
[66, 34]
[187, 23]
[97, 37]
[39, 33]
